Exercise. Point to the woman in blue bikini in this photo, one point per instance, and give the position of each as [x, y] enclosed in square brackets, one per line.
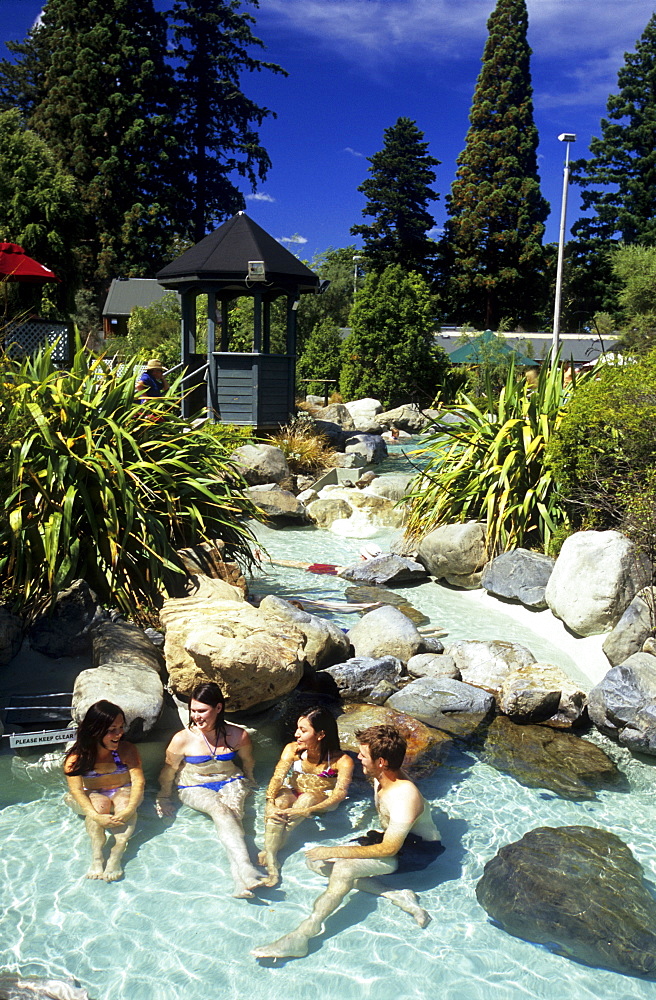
[105, 785]
[312, 777]
[203, 757]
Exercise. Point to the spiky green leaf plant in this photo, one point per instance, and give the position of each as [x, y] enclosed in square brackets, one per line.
[105, 488]
[490, 466]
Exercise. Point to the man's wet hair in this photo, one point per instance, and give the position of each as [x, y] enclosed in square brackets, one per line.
[386, 742]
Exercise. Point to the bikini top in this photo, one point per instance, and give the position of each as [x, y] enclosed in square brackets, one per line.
[206, 758]
[328, 771]
[120, 768]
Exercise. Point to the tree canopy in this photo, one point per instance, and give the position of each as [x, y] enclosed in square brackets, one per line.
[398, 193]
[493, 255]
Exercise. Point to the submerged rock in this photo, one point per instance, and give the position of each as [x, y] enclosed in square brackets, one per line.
[422, 741]
[578, 890]
[14, 987]
[540, 757]
[381, 595]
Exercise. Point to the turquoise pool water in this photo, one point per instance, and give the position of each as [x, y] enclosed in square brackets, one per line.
[170, 930]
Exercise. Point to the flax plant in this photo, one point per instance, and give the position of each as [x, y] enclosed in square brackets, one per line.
[491, 466]
[105, 488]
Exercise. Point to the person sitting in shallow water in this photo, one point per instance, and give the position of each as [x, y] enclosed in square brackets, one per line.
[318, 776]
[203, 759]
[105, 785]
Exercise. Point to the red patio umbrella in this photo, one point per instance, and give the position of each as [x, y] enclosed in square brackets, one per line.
[15, 265]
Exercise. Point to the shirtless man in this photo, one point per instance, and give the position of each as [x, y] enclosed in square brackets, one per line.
[408, 829]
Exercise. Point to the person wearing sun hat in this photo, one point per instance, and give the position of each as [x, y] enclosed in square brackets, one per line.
[151, 382]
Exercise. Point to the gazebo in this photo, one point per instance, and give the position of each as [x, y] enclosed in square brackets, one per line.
[239, 258]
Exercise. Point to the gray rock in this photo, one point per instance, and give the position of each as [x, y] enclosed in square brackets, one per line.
[578, 890]
[325, 512]
[118, 642]
[455, 553]
[358, 677]
[340, 460]
[261, 463]
[542, 757]
[364, 411]
[596, 576]
[433, 645]
[278, 504]
[394, 485]
[11, 635]
[135, 688]
[325, 643]
[406, 418]
[541, 692]
[421, 741]
[488, 664]
[649, 646]
[428, 698]
[307, 496]
[332, 431]
[623, 704]
[386, 569]
[519, 575]
[65, 632]
[336, 413]
[370, 446]
[433, 665]
[386, 632]
[633, 628]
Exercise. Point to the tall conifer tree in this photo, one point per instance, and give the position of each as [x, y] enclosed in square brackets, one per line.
[493, 256]
[398, 193]
[619, 179]
[212, 43]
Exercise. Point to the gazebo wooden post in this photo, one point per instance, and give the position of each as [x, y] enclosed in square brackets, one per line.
[188, 332]
[211, 347]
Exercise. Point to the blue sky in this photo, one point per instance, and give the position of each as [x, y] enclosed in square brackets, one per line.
[355, 66]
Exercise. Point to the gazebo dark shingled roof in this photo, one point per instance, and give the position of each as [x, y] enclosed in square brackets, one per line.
[221, 260]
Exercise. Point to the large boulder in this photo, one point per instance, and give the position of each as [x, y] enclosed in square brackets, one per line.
[433, 665]
[64, 631]
[136, 688]
[278, 504]
[596, 576]
[393, 485]
[541, 757]
[428, 698]
[541, 692]
[371, 509]
[406, 418]
[370, 446]
[487, 664]
[356, 679]
[254, 656]
[381, 595]
[11, 635]
[325, 643]
[578, 890]
[364, 410]
[325, 511]
[386, 632]
[207, 559]
[519, 575]
[336, 413]
[422, 741]
[261, 463]
[118, 642]
[634, 627]
[455, 553]
[340, 460]
[384, 569]
[623, 704]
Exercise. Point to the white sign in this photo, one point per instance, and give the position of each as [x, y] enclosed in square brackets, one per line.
[46, 736]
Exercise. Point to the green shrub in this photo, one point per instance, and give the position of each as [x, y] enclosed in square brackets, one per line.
[107, 489]
[320, 358]
[491, 466]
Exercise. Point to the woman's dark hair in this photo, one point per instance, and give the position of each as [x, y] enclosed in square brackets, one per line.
[322, 720]
[92, 731]
[210, 694]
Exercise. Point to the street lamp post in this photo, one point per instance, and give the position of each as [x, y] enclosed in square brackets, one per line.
[567, 138]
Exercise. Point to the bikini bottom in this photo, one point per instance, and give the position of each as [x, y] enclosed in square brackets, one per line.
[109, 793]
[415, 854]
[214, 786]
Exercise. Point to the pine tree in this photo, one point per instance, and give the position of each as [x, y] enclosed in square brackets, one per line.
[398, 193]
[493, 255]
[212, 39]
[619, 179]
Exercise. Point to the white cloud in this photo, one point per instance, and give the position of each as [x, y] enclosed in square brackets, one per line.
[292, 239]
[260, 196]
[353, 152]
